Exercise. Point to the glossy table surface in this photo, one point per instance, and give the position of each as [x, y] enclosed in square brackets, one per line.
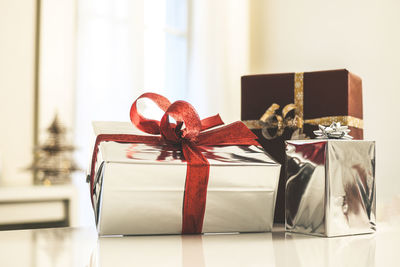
[82, 247]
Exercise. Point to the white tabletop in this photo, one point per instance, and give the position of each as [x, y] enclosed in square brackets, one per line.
[82, 247]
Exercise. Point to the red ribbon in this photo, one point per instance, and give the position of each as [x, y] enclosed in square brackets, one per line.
[314, 152]
[188, 140]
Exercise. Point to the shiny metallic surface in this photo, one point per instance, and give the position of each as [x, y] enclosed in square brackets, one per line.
[330, 189]
[139, 189]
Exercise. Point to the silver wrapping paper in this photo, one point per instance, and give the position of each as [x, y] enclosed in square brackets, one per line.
[139, 188]
[330, 187]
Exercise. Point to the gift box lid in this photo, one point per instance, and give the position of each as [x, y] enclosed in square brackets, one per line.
[164, 154]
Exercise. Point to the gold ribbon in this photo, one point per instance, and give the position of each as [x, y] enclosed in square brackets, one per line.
[299, 93]
[271, 120]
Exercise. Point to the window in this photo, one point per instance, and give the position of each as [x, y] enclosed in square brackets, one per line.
[125, 48]
[165, 46]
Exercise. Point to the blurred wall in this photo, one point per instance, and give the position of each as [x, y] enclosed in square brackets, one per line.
[17, 50]
[362, 36]
[57, 64]
[17, 70]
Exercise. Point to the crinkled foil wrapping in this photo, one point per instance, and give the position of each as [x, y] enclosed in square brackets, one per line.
[330, 187]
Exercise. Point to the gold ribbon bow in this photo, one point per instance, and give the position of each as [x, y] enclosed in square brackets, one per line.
[271, 122]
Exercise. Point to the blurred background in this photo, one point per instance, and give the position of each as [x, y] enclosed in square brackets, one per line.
[87, 60]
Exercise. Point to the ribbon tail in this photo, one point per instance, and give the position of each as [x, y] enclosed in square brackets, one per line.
[211, 122]
[194, 203]
[233, 134]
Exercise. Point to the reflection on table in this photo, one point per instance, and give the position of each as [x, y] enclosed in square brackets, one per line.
[82, 247]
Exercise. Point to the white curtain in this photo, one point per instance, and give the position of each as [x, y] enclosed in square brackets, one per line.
[218, 56]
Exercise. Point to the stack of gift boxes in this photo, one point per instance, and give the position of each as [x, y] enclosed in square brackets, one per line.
[197, 176]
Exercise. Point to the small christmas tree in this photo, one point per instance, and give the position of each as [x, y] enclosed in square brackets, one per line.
[53, 162]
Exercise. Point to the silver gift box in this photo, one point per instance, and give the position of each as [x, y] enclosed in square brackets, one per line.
[139, 188]
[330, 187]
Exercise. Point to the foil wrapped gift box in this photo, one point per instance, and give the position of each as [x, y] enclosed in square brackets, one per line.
[330, 189]
[284, 106]
[145, 184]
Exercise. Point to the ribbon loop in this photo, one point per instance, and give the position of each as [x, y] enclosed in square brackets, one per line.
[183, 113]
[144, 124]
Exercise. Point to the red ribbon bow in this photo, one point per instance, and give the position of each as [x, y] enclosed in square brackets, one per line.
[189, 140]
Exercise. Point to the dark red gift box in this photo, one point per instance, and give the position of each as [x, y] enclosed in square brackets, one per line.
[274, 106]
